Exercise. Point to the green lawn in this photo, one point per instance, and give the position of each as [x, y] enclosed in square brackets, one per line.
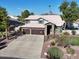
[73, 41]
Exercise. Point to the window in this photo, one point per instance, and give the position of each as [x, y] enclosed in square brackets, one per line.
[27, 21]
[41, 21]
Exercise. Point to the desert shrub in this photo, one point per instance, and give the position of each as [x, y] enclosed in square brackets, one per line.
[53, 42]
[70, 51]
[73, 32]
[68, 40]
[65, 33]
[55, 53]
[63, 40]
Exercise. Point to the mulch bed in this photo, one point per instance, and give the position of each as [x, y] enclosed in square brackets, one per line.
[45, 48]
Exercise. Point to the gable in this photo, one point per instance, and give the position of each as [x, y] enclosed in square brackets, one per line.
[49, 23]
[55, 19]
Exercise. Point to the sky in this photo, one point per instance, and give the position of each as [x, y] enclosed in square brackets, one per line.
[15, 7]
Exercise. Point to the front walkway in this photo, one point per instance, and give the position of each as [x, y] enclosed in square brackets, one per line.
[27, 47]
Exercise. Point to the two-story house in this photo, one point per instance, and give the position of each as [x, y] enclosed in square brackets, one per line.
[42, 24]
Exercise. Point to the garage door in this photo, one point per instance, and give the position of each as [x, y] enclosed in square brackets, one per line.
[38, 32]
[26, 31]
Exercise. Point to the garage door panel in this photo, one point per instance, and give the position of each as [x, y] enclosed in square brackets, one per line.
[27, 31]
[38, 32]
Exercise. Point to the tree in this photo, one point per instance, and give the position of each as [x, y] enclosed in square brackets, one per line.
[74, 11]
[31, 13]
[3, 14]
[70, 12]
[24, 14]
[64, 6]
[20, 18]
[3, 20]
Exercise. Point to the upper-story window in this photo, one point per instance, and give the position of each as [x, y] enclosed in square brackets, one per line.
[27, 21]
[41, 21]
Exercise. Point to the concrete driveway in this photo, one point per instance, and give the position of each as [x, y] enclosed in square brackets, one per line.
[25, 47]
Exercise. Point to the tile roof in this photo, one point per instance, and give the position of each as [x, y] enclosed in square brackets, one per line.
[55, 19]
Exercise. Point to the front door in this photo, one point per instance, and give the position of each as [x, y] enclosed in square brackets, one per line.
[49, 27]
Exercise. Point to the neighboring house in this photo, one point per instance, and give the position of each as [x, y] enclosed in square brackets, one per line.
[43, 24]
[72, 26]
[76, 24]
[13, 22]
